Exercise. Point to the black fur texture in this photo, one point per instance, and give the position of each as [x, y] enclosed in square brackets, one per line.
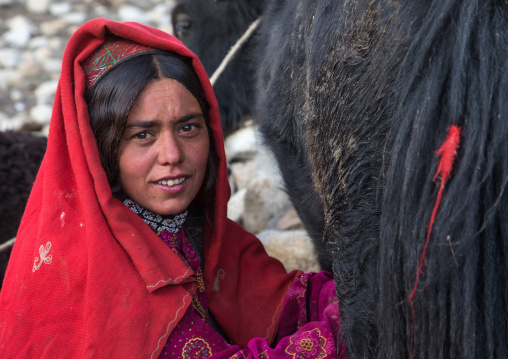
[359, 96]
[21, 154]
[210, 28]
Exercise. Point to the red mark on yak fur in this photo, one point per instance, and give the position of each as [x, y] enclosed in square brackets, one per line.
[447, 154]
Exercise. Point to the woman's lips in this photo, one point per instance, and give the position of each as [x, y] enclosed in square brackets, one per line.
[174, 185]
[171, 182]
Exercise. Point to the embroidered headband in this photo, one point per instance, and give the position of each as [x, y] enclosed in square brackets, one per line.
[107, 56]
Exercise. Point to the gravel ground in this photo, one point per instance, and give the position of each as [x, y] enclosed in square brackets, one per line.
[33, 36]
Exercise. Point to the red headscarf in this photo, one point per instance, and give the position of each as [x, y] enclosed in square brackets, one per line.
[87, 277]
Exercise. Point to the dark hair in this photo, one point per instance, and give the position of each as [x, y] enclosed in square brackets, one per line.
[111, 99]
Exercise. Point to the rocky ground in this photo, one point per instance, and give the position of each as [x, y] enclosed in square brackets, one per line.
[33, 36]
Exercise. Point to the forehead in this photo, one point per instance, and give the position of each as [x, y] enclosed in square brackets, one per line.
[166, 89]
[165, 96]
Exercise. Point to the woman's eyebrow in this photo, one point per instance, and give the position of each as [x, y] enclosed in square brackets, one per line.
[190, 116]
[143, 124]
[154, 123]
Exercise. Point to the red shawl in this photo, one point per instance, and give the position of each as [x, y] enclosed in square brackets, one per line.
[87, 277]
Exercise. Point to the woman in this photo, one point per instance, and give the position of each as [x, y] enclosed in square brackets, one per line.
[110, 260]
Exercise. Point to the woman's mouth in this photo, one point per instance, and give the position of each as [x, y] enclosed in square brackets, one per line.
[171, 183]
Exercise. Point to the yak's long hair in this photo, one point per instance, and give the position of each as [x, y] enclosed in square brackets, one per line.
[455, 71]
[373, 86]
[210, 28]
[355, 98]
[405, 73]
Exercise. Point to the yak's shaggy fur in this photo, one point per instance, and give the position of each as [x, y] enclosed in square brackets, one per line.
[20, 157]
[210, 28]
[361, 93]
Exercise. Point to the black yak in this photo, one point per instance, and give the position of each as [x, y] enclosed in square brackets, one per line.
[202, 39]
[393, 113]
[21, 154]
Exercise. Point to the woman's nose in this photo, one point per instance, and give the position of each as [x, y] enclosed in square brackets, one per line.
[169, 150]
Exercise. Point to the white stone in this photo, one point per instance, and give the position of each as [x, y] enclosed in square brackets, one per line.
[17, 37]
[117, 3]
[60, 8]
[293, 248]
[19, 21]
[264, 200]
[41, 114]
[45, 130]
[42, 54]
[7, 2]
[56, 43]
[45, 92]
[168, 29]
[13, 123]
[75, 18]
[242, 144]
[82, 7]
[20, 31]
[19, 106]
[236, 205]
[287, 221]
[38, 42]
[16, 95]
[52, 66]
[160, 15]
[28, 65]
[52, 27]
[242, 173]
[71, 29]
[133, 13]
[37, 6]
[9, 78]
[10, 58]
[3, 120]
[101, 11]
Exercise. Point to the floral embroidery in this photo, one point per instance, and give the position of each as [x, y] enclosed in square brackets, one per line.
[201, 281]
[237, 356]
[198, 308]
[302, 316]
[310, 344]
[43, 251]
[196, 348]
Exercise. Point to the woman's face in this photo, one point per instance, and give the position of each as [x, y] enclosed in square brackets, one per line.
[164, 148]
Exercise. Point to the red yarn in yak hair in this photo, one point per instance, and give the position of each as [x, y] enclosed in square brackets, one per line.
[447, 153]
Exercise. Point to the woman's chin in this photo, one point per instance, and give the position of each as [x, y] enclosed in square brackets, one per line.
[168, 209]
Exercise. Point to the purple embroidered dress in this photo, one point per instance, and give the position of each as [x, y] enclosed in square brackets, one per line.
[309, 325]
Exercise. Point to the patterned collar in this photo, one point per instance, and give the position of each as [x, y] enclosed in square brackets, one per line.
[157, 222]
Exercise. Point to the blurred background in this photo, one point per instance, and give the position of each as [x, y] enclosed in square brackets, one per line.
[33, 36]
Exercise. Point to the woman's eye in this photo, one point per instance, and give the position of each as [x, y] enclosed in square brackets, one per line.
[142, 135]
[188, 128]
